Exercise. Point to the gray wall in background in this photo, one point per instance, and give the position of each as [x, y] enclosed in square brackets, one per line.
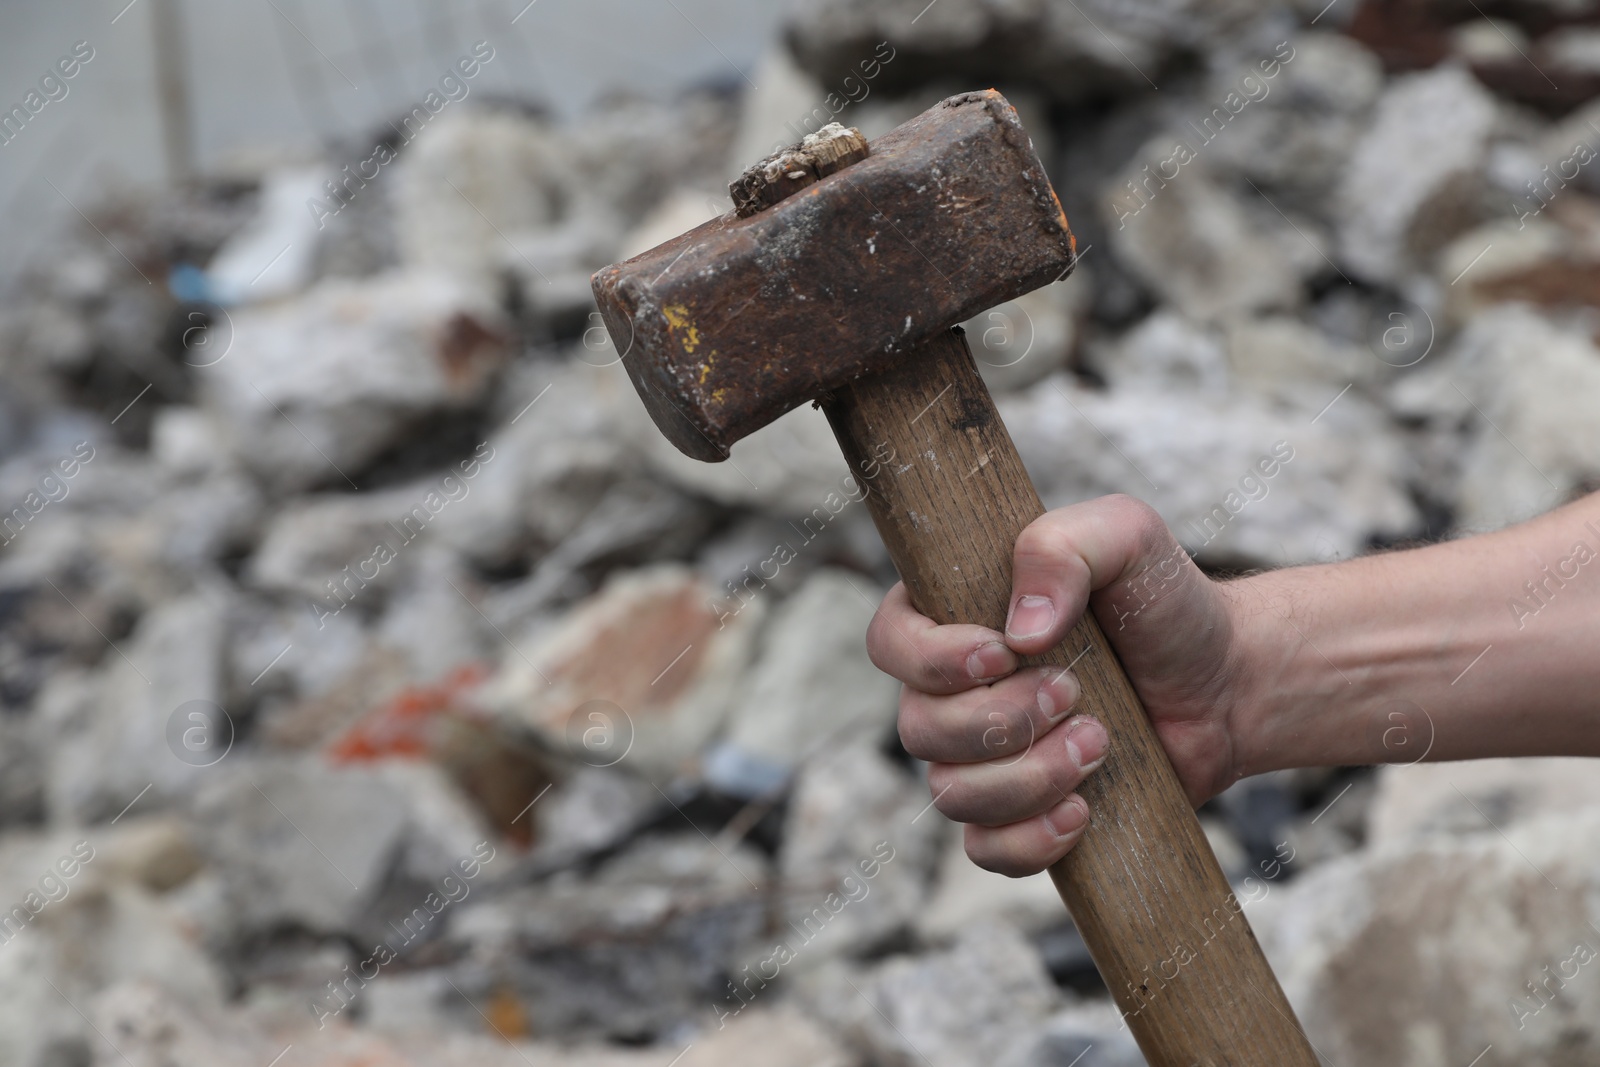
[273, 80]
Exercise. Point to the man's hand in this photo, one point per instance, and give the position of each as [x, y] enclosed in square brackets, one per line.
[1004, 747]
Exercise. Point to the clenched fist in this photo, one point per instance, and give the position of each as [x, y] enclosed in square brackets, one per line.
[1005, 747]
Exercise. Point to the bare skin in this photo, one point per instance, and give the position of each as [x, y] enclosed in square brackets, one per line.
[1373, 660]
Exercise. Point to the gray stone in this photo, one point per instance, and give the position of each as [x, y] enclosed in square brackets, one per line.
[156, 1028]
[859, 843]
[1192, 241]
[197, 526]
[174, 657]
[1435, 951]
[965, 895]
[780, 1037]
[637, 521]
[1166, 352]
[592, 811]
[1408, 187]
[736, 554]
[1070, 51]
[790, 467]
[183, 440]
[274, 254]
[640, 948]
[35, 1022]
[564, 444]
[1424, 800]
[811, 689]
[290, 649]
[1532, 439]
[313, 540]
[155, 851]
[430, 620]
[1083, 1035]
[639, 676]
[470, 178]
[409, 1004]
[1294, 140]
[1285, 360]
[90, 927]
[1345, 480]
[1022, 340]
[680, 211]
[628, 152]
[315, 387]
[442, 825]
[552, 265]
[982, 999]
[302, 844]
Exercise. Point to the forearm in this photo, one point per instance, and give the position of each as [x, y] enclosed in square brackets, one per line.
[1380, 659]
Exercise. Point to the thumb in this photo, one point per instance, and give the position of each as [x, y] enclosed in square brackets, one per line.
[1115, 546]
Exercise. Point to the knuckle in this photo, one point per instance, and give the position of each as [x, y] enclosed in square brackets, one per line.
[1006, 727]
[1124, 502]
[928, 676]
[878, 642]
[916, 733]
[1041, 542]
[942, 781]
[1140, 519]
[1000, 860]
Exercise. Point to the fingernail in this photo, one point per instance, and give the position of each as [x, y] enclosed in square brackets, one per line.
[1030, 616]
[1058, 691]
[1067, 817]
[990, 661]
[1086, 743]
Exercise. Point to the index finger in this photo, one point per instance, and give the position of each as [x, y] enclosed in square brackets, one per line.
[906, 644]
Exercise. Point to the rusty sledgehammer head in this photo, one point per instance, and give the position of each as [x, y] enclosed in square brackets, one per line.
[838, 259]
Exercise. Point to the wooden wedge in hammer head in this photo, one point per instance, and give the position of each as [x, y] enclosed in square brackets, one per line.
[838, 277]
[751, 314]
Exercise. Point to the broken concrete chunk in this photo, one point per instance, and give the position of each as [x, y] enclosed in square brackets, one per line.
[316, 387]
[811, 689]
[639, 676]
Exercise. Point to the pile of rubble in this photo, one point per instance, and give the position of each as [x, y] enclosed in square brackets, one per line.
[376, 684]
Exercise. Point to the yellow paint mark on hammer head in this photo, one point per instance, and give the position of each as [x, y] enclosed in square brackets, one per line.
[677, 316]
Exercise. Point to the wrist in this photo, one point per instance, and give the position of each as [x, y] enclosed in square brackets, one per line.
[1295, 704]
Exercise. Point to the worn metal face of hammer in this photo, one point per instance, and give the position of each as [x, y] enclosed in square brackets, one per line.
[838, 278]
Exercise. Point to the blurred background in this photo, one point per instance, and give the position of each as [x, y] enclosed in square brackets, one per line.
[378, 686]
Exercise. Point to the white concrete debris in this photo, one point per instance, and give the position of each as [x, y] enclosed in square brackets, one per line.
[1425, 144]
[1194, 243]
[811, 690]
[275, 255]
[314, 388]
[1530, 442]
[472, 177]
[1471, 942]
[389, 506]
[853, 831]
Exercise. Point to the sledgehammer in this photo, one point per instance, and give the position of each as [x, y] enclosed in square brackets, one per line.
[838, 278]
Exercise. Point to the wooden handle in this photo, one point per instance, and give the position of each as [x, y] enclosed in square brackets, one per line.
[949, 495]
